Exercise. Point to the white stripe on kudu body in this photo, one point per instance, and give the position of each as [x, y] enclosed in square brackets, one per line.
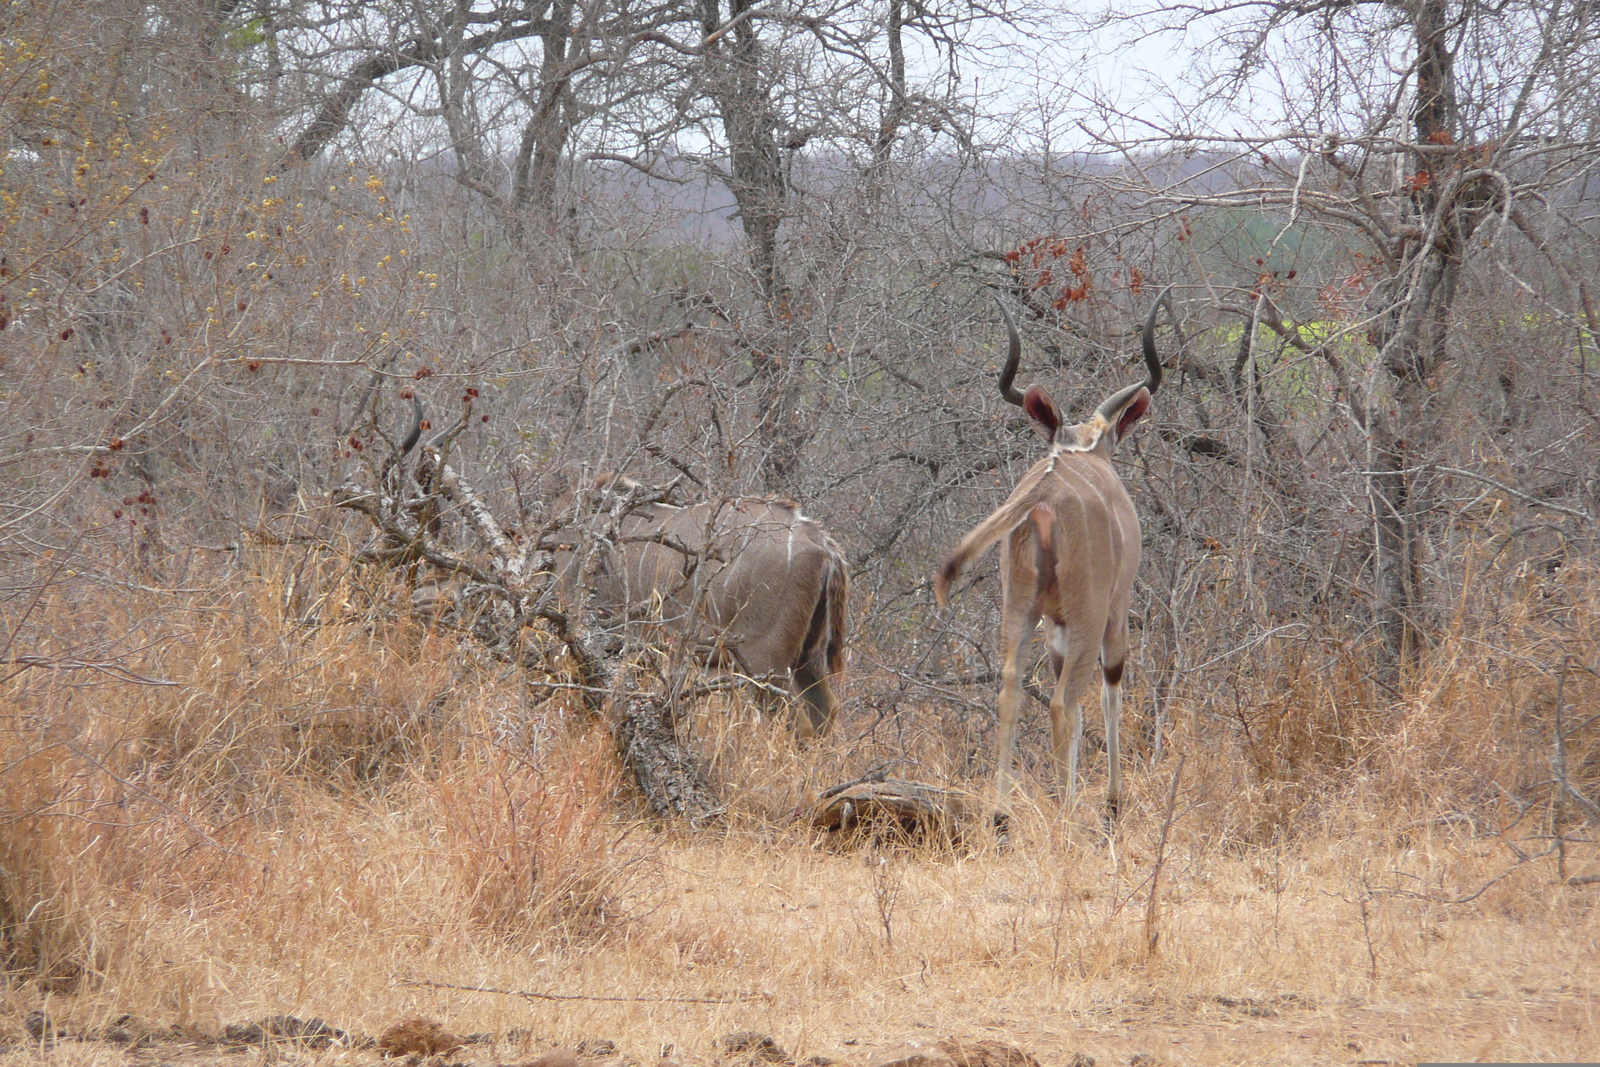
[1069, 549]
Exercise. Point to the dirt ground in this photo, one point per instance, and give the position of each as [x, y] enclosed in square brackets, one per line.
[1476, 1027]
[843, 957]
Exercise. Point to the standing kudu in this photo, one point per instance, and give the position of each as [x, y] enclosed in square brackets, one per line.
[1069, 552]
[756, 579]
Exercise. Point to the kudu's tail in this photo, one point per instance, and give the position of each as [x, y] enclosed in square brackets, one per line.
[1044, 554]
[820, 668]
[975, 544]
[825, 633]
[838, 593]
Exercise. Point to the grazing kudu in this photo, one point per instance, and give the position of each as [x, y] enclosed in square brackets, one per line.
[1069, 550]
[763, 584]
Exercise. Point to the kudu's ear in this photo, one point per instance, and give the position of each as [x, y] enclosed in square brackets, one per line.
[1130, 412]
[1042, 410]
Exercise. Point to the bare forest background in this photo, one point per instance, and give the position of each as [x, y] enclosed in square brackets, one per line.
[751, 248]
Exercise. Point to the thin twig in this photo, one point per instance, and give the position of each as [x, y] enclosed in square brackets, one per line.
[116, 671]
[1576, 513]
[1523, 858]
[1151, 934]
[1558, 764]
[1366, 922]
[877, 774]
[734, 998]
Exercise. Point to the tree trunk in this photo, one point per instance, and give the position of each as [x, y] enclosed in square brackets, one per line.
[755, 167]
[1412, 337]
[894, 110]
[756, 180]
[544, 138]
[671, 779]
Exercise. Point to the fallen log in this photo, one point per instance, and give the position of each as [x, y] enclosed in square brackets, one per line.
[877, 809]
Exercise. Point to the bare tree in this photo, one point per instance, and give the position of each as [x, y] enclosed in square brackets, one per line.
[1414, 174]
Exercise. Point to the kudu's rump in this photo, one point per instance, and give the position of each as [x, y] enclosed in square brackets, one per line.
[760, 584]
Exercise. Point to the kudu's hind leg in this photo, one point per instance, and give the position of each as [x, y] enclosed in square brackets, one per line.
[1016, 626]
[818, 704]
[1111, 705]
[810, 674]
[1063, 745]
[1113, 658]
[1067, 741]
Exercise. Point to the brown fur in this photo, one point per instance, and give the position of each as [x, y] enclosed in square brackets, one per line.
[766, 584]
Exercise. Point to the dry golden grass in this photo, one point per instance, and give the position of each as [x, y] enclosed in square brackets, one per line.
[350, 818]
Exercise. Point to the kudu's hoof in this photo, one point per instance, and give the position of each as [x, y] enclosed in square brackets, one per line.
[1002, 831]
[1108, 819]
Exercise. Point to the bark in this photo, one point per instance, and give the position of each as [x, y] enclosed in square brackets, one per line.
[737, 85]
[1395, 562]
[755, 166]
[473, 166]
[334, 113]
[894, 111]
[545, 137]
[876, 809]
[1412, 339]
[671, 778]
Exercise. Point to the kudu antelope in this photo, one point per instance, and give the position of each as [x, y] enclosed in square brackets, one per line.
[761, 583]
[1069, 550]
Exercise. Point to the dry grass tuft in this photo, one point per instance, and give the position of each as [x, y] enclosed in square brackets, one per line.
[531, 840]
[303, 778]
[418, 1037]
[339, 815]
